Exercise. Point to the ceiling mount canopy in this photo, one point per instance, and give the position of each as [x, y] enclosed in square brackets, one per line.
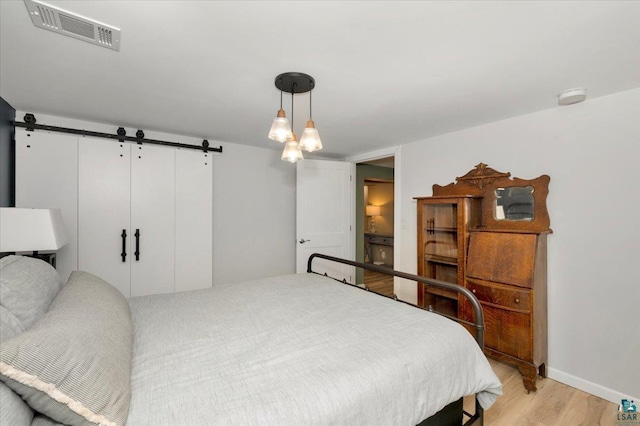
[282, 131]
[295, 82]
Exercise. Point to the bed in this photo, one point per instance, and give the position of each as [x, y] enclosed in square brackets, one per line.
[289, 350]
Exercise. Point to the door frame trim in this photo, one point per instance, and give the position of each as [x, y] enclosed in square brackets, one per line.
[396, 152]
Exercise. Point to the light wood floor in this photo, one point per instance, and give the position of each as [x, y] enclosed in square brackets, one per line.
[553, 403]
[379, 283]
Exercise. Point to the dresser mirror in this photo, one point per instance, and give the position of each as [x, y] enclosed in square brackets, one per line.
[515, 203]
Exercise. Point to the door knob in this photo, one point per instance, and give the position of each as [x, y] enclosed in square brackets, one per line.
[302, 241]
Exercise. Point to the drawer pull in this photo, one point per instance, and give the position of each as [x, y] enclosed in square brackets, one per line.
[473, 290]
[517, 300]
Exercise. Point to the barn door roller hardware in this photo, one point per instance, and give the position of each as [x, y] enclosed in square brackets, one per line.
[121, 135]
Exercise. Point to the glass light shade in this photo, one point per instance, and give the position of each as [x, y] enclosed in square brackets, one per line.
[280, 129]
[292, 151]
[310, 139]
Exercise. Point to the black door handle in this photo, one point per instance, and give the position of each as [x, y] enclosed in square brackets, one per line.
[137, 253]
[124, 245]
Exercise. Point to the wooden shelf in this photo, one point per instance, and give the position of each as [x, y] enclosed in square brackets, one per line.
[441, 260]
[445, 229]
[442, 292]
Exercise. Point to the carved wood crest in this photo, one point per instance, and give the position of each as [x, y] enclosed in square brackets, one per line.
[482, 176]
[483, 181]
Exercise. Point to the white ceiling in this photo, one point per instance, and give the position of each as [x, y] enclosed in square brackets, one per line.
[387, 73]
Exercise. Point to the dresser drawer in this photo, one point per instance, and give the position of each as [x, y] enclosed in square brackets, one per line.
[379, 240]
[502, 296]
[508, 332]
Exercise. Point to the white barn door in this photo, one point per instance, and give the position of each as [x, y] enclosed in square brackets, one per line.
[194, 226]
[153, 219]
[325, 199]
[104, 205]
[47, 177]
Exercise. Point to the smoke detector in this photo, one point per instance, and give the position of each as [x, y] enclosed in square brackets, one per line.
[572, 96]
[73, 25]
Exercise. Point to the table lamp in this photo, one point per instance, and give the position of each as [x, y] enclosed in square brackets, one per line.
[372, 211]
[23, 230]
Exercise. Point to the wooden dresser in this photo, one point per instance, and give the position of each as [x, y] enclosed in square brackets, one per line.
[505, 264]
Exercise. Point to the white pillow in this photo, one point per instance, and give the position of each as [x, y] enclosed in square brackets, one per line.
[74, 363]
[27, 287]
[13, 410]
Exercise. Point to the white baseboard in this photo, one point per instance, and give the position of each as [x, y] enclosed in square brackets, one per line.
[587, 386]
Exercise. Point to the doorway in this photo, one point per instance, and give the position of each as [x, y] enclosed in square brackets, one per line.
[375, 221]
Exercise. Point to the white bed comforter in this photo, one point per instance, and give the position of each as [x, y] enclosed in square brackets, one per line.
[297, 350]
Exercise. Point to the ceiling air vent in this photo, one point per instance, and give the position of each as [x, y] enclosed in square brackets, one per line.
[71, 24]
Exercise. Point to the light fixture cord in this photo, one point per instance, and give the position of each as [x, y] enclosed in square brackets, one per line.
[293, 89]
[310, 115]
[280, 98]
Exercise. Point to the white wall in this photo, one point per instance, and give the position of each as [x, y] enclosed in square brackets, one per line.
[254, 214]
[591, 151]
[253, 204]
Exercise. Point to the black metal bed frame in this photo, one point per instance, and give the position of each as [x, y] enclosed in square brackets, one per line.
[474, 419]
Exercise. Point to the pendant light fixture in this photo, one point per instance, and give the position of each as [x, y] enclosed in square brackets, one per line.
[280, 129]
[294, 82]
[292, 151]
[310, 139]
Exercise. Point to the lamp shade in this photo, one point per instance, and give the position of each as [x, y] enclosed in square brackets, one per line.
[31, 230]
[292, 151]
[280, 129]
[372, 210]
[310, 139]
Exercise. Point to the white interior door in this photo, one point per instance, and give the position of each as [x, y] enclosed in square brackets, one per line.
[325, 215]
[194, 220]
[104, 211]
[153, 219]
[46, 177]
